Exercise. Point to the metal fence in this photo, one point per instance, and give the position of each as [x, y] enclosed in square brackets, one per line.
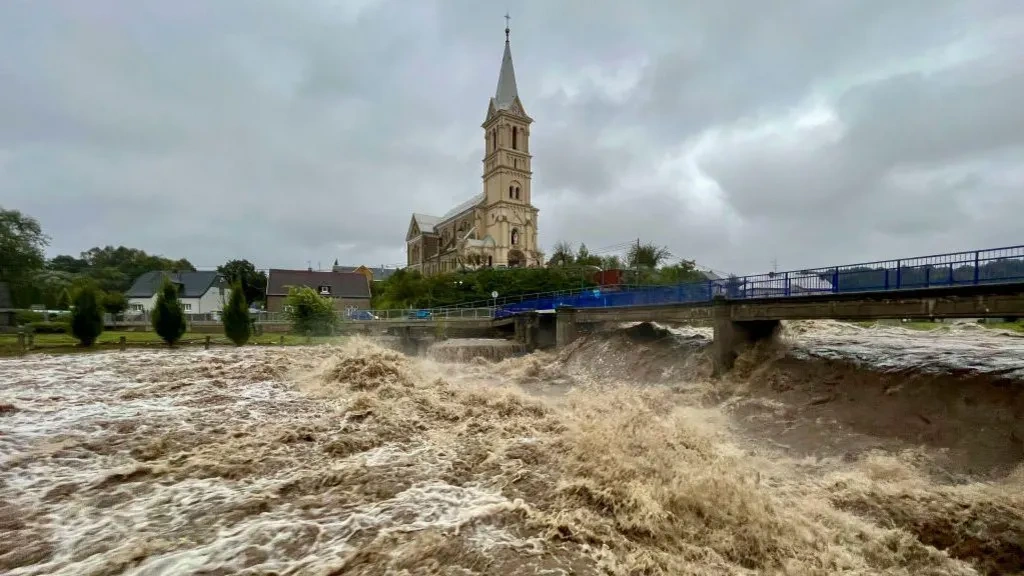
[993, 266]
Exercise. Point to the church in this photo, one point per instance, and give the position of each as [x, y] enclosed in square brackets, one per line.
[497, 227]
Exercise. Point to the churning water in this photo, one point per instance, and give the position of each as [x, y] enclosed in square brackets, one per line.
[617, 456]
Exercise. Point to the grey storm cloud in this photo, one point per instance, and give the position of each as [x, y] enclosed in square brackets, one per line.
[732, 132]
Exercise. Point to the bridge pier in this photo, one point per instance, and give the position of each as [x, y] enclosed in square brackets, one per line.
[732, 337]
[527, 327]
[411, 341]
[565, 326]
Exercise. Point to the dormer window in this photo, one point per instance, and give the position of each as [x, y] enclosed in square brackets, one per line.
[324, 290]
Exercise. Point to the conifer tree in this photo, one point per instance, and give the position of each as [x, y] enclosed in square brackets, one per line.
[87, 315]
[168, 315]
[63, 300]
[236, 316]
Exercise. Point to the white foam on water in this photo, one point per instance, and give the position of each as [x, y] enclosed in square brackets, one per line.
[66, 462]
[956, 347]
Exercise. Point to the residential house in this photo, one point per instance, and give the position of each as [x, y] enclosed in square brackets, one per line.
[199, 292]
[348, 290]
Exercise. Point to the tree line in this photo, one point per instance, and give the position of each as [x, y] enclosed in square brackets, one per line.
[567, 269]
[35, 280]
[53, 282]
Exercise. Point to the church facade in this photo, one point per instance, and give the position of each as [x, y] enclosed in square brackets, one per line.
[497, 227]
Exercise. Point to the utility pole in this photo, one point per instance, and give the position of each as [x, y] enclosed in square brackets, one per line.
[636, 263]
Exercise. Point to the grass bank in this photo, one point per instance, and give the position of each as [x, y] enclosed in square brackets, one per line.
[111, 340]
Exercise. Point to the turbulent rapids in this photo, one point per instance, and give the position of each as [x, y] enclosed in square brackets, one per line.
[842, 450]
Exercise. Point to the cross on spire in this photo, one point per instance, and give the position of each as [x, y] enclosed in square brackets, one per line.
[507, 18]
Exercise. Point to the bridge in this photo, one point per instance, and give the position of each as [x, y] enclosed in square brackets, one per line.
[975, 284]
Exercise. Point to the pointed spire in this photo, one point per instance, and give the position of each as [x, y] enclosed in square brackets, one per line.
[507, 92]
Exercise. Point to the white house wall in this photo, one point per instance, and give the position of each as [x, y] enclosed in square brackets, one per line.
[147, 303]
[212, 301]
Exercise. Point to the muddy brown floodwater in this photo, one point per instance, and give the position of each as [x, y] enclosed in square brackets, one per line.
[844, 450]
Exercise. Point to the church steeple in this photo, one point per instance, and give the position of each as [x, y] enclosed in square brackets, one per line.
[507, 158]
[506, 92]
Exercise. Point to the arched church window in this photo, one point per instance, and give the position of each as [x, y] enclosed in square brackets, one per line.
[511, 191]
[517, 192]
[515, 133]
[515, 237]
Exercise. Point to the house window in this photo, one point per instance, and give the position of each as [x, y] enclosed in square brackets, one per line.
[515, 236]
[137, 307]
[188, 307]
[324, 290]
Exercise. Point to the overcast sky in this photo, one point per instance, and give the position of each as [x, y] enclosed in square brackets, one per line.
[734, 132]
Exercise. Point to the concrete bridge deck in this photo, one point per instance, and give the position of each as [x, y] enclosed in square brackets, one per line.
[739, 323]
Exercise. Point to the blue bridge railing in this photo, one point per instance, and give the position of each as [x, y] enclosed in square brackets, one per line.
[992, 266]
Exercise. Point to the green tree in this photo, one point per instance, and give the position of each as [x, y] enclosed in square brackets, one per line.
[69, 264]
[612, 262]
[22, 245]
[168, 315]
[63, 300]
[115, 302]
[647, 255]
[406, 289]
[310, 313]
[109, 279]
[254, 282]
[561, 255]
[48, 286]
[585, 258]
[115, 269]
[87, 315]
[683, 272]
[237, 326]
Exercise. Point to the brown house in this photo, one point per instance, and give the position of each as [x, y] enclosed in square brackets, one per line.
[347, 289]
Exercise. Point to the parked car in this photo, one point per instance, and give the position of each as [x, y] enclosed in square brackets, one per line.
[361, 315]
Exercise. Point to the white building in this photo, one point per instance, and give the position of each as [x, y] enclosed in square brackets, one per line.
[199, 292]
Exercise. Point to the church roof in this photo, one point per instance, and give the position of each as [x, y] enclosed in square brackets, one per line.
[426, 223]
[506, 92]
[476, 199]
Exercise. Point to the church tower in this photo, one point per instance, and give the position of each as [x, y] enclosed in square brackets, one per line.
[510, 216]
